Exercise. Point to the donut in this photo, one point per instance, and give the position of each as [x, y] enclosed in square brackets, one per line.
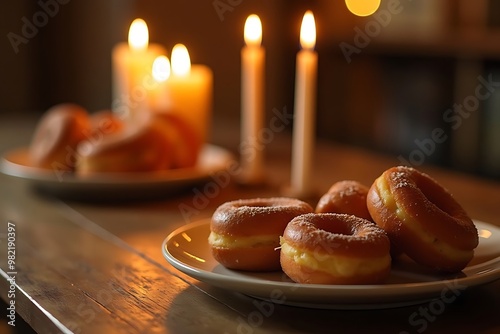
[103, 123]
[186, 144]
[57, 135]
[138, 148]
[333, 248]
[422, 219]
[347, 197]
[245, 234]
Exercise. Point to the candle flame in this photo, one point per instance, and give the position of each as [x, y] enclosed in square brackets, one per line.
[138, 35]
[308, 31]
[253, 30]
[161, 69]
[181, 63]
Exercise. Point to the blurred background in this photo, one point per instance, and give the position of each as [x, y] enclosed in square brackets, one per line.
[417, 79]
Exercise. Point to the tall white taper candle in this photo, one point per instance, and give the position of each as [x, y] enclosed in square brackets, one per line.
[305, 110]
[252, 103]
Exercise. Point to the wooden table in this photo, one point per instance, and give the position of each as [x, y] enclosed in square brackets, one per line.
[98, 268]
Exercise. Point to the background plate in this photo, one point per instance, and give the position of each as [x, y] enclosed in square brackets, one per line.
[117, 186]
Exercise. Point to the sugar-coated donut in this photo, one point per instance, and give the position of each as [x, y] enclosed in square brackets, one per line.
[57, 135]
[422, 219]
[245, 233]
[137, 148]
[331, 248]
[186, 143]
[347, 197]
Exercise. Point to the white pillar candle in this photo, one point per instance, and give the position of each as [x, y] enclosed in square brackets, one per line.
[305, 109]
[252, 102]
[131, 64]
[188, 92]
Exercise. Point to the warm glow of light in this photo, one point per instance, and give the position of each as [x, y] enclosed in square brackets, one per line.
[362, 7]
[308, 31]
[161, 69]
[194, 257]
[186, 237]
[485, 234]
[253, 30]
[138, 35]
[181, 63]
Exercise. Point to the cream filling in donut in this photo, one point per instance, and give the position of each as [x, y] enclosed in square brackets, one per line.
[335, 265]
[224, 241]
[440, 246]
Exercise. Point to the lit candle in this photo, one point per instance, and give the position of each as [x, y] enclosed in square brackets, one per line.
[305, 109]
[252, 102]
[188, 92]
[161, 69]
[132, 63]
[160, 72]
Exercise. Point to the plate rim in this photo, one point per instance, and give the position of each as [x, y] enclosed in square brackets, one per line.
[375, 290]
[47, 176]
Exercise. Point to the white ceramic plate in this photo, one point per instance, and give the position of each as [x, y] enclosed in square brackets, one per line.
[187, 249]
[212, 159]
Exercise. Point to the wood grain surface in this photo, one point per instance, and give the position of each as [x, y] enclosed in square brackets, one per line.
[93, 267]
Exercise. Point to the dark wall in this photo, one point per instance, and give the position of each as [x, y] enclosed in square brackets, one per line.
[68, 59]
[391, 92]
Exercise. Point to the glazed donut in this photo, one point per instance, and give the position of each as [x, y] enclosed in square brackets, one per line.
[186, 144]
[138, 148]
[57, 135]
[422, 219]
[347, 197]
[332, 248]
[245, 233]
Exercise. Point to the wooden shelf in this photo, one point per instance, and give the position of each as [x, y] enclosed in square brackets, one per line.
[474, 44]
[479, 44]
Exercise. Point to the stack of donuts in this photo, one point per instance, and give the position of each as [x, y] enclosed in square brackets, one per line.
[352, 236]
[68, 138]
